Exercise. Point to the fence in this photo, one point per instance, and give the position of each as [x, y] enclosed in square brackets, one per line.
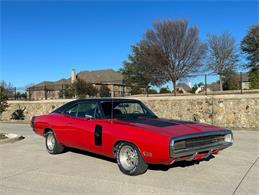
[203, 84]
[65, 91]
[208, 84]
[14, 93]
[212, 84]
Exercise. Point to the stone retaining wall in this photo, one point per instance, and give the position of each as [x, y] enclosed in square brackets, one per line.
[231, 111]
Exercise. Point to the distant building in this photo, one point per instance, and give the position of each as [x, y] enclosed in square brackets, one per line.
[245, 81]
[51, 90]
[183, 88]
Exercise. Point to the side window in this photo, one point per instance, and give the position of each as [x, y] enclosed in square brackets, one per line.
[72, 111]
[86, 110]
[129, 108]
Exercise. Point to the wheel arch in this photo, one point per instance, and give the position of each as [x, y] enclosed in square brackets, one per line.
[118, 142]
[46, 130]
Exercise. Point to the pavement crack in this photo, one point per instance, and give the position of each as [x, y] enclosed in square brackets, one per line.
[245, 175]
[20, 173]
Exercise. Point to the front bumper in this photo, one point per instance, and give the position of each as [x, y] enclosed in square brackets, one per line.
[201, 151]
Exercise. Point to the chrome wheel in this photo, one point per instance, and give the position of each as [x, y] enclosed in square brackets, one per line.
[50, 141]
[128, 157]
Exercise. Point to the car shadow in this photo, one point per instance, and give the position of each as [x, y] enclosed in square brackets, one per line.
[155, 167]
[78, 151]
[182, 164]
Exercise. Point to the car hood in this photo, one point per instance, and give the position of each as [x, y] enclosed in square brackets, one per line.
[168, 127]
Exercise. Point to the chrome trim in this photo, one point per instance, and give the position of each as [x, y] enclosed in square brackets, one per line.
[194, 150]
[192, 156]
[209, 153]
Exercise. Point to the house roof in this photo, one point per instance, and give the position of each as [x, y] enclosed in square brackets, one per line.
[183, 86]
[101, 76]
[51, 85]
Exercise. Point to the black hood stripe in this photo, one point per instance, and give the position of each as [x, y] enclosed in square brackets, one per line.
[152, 122]
[183, 122]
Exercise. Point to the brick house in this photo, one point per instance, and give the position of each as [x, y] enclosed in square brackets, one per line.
[51, 89]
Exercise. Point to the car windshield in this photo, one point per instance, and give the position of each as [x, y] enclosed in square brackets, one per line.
[125, 109]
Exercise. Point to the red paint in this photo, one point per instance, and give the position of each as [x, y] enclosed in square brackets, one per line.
[151, 140]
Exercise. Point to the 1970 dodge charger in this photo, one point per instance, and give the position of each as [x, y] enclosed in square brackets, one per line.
[127, 130]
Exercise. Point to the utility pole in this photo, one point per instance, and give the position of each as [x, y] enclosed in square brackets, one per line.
[241, 90]
[112, 95]
[205, 84]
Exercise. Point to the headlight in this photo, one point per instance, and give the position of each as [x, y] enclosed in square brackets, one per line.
[229, 138]
[172, 144]
[171, 147]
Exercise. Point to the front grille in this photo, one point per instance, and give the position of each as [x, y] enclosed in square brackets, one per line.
[198, 142]
[192, 144]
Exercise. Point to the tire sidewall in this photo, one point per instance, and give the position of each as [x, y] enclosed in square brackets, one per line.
[136, 169]
[57, 147]
[46, 138]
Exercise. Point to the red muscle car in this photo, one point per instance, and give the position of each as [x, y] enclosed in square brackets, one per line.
[127, 130]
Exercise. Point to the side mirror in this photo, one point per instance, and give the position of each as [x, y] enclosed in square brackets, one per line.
[88, 116]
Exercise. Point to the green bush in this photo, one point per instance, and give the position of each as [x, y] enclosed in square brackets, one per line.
[3, 101]
[135, 90]
[104, 91]
[152, 91]
[254, 78]
[164, 90]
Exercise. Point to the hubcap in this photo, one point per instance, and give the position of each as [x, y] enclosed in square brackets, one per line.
[128, 157]
[50, 141]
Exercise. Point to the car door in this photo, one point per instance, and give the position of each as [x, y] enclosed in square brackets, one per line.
[84, 126]
[68, 133]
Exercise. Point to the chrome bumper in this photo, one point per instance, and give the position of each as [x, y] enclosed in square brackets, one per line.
[190, 153]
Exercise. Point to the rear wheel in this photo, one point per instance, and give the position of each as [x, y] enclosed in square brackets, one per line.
[52, 144]
[129, 159]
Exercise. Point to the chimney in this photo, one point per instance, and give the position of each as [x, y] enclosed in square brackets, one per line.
[73, 75]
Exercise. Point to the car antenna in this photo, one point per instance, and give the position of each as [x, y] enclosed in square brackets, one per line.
[112, 105]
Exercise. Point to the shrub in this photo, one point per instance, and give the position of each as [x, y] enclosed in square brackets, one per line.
[164, 90]
[104, 91]
[3, 101]
[254, 78]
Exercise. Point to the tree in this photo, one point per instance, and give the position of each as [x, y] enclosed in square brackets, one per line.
[194, 88]
[231, 80]
[179, 46]
[222, 54]
[3, 101]
[104, 91]
[250, 46]
[141, 68]
[152, 91]
[164, 90]
[67, 92]
[136, 90]
[20, 95]
[254, 78]
[83, 89]
[7, 89]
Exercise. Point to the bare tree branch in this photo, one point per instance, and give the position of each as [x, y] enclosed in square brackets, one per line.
[222, 53]
[180, 46]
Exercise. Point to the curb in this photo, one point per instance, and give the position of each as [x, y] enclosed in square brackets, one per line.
[11, 138]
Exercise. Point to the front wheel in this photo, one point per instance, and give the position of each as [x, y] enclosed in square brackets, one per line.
[129, 160]
[52, 144]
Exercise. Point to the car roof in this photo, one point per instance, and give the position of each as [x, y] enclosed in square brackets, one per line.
[105, 100]
[71, 103]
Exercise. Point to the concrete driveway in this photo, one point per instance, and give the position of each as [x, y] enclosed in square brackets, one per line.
[27, 168]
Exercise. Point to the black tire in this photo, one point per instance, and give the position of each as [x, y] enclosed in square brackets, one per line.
[57, 147]
[139, 168]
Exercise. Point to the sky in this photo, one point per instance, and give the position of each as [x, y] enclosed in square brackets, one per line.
[44, 40]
